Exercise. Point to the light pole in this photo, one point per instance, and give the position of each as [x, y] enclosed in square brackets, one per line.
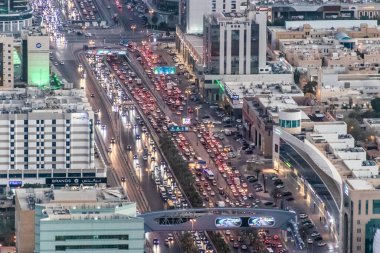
[187, 92]
[133, 27]
[192, 224]
[151, 11]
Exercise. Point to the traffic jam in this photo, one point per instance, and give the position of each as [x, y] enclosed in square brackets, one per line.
[120, 85]
[233, 190]
[214, 195]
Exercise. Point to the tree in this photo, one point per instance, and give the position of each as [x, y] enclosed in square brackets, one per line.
[310, 87]
[154, 19]
[375, 103]
[188, 243]
[297, 75]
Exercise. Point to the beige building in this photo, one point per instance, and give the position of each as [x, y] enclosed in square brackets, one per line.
[7, 68]
[307, 31]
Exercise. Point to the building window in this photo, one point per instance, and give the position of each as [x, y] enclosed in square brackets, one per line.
[276, 148]
[359, 239]
[359, 230]
[360, 207]
[376, 207]
[54, 121]
[366, 207]
[68, 166]
[358, 248]
[358, 222]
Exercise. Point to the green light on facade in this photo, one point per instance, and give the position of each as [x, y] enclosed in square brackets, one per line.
[219, 83]
[39, 77]
[16, 58]
[288, 164]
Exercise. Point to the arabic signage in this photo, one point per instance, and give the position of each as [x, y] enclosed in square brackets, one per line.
[228, 222]
[76, 181]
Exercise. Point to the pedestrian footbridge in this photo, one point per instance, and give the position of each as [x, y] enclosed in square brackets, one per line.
[217, 219]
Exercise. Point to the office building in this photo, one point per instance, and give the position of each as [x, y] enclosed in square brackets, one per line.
[6, 62]
[235, 43]
[14, 15]
[80, 220]
[45, 136]
[35, 57]
[192, 12]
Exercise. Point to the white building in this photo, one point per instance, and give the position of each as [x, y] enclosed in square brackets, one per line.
[44, 136]
[77, 220]
[196, 9]
[36, 64]
[235, 43]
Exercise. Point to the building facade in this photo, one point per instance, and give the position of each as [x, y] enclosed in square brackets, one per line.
[35, 57]
[80, 220]
[235, 43]
[50, 136]
[7, 67]
[192, 12]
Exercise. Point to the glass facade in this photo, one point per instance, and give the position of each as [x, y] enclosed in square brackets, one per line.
[370, 230]
[290, 123]
[376, 207]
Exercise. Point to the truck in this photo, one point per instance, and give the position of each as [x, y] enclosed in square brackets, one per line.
[138, 81]
[221, 204]
[209, 174]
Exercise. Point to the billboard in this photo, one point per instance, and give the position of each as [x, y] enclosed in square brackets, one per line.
[178, 129]
[264, 221]
[76, 181]
[228, 222]
[186, 121]
[164, 70]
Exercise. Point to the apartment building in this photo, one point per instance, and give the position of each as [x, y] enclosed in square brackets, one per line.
[235, 43]
[45, 135]
[88, 220]
[336, 178]
[15, 14]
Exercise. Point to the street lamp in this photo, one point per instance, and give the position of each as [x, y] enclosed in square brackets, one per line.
[192, 224]
[133, 27]
[151, 11]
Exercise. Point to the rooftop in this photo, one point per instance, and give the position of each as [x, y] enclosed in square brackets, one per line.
[28, 198]
[361, 185]
[19, 101]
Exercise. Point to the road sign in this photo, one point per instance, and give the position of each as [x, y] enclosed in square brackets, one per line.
[178, 129]
[165, 70]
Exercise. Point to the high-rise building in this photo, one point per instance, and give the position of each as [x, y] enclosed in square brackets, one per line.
[45, 136]
[35, 57]
[14, 15]
[6, 62]
[235, 43]
[80, 220]
[192, 12]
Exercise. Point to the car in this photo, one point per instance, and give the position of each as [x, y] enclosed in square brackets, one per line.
[236, 245]
[321, 244]
[285, 194]
[92, 95]
[228, 232]
[61, 63]
[280, 186]
[310, 241]
[315, 234]
[138, 137]
[290, 199]
[244, 247]
[109, 149]
[268, 203]
[122, 179]
[156, 241]
[166, 242]
[113, 140]
[170, 237]
[129, 147]
[145, 158]
[303, 215]
[55, 63]
[318, 238]
[135, 157]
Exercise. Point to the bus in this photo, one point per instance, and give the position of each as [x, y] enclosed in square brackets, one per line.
[209, 174]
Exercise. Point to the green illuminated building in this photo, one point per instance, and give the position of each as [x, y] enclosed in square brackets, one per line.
[35, 51]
